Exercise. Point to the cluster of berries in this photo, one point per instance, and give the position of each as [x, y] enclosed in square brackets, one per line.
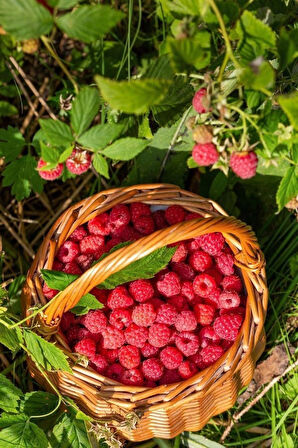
[77, 163]
[157, 331]
[243, 163]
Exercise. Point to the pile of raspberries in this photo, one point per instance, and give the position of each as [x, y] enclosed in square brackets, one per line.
[162, 330]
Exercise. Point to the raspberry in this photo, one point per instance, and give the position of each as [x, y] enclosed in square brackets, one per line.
[200, 260]
[86, 347]
[178, 302]
[150, 383]
[187, 291]
[229, 299]
[198, 361]
[226, 345]
[52, 174]
[213, 298]
[79, 161]
[100, 225]
[148, 351]
[212, 243]
[144, 225]
[227, 326]
[100, 294]
[156, 303]
[211, 353]
[205, 154]
[187, 342]
[225, 263]
[144, 315]
[129, 356]
[186, 321]
[184, 271]
[187, 369]
[76, 333]
[136, 335]
[119, 216]
[110, 355]
[78, 234]
[57, 266]
[152, 369]
[203, 285]
[192, 215]
[48, 292]
[120, 318]
[174, 214]
[84, 261]
[181, 252]
[72, 268]
[171, 357]
[207, 336]
[114, 241]
[237, 310]
[244, 164]
[115, 372]
[100, 363]
[92, 244]
[127, 233]
[68, 251]
[159, 219]
[141, 290]
[159, 335]
[170, 377]
[67, 320]
[95, 321]
[232, 283]
[166, 314]
[132, 377]
[138, 209]
[112, 338]
[204, 313]
[200, 101]
[119, 298]
[215, 274]
[169, 284]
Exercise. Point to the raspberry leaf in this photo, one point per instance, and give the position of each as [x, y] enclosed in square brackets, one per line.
[11, 338]
[10, 395]
[38, 403]
[289, 104]
[101, 165]
[84, 109]
[86, 303]
[288, 187]
[56, 132]
[23, 434]
[56, 279]
[70, 432]
[100, 135]
[190, 52]
[7, 109]
[126, 148]
[11, 143]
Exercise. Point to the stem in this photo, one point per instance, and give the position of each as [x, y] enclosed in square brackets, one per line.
[223, 66]
[130, 9]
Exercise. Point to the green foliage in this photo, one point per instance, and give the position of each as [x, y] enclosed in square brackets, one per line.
[188, 53]
[23, 435]
[290, 106]
[86, 303]
[9, 396]
[70, 432]
[11, 143]
[100, 135]
[56, 132]
[84, 109]
[288, 188]
[38, 404]
[125, 148]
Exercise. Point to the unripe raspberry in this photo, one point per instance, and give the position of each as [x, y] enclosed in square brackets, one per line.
[79, 161]
[200, 101]
[244, 164]
[202, 134]
[52, 174]
[205, 154]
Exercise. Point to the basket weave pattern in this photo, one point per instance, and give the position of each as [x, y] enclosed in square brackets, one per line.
[166, 410]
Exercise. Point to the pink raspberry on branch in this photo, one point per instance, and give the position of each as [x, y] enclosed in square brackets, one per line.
[51, 174]
[205, 154]
[79, 161]
[200, 101]
[244, 164]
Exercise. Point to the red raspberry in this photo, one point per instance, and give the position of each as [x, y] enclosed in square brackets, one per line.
[207, 336]
[159, 219]
[127, 233]
[170, 377]
[84, 261]
[119, 298]
[119, 216]
[187, 291]
[194, 244]
[152, 369]
[227, 326]
[67, 320]
[92, 244]
[76, 333]
[159, 335]
[132, 377]
[198, 361]
[205, 154]
[187, 342]
[52, 174]
[141, 290]
[212, 243]
[100, 363]
[187, 369]
[213, 298]
[110, 355]
[186, 321]
[184, 271]
[215, 274]
[68, 251]
[244, 164]
[192, 215]
[148, 351]
[79, 161]
[203, 285]
[232, 283]
[86, 347]
[112, 338]
[138, 209]
[95, 321]
[150, 383]
[200, 101]
[174, 214]
[78, 234]
[115, 372]
[171, 357]
[166, 314]
[144, 314]
[57, 266]
[226, 344]
[100, 225]
[229, 299]
[144, 225]
[136, 335]
[200, 260]
[225, 263]
[181, 252]
[156, 303]
[48, 292]
[120, 318]
[237, 310]
[211, 353]
[100, 294]
[129, 356]
[169, 284]
[179, 302]
[72, 268]
[204, 313]
[114, 241]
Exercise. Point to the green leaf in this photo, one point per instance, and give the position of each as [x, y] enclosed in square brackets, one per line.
[288, 187]
[218, 186]
[49, 154]
[57, 279]
[145, 267]
[65, 154]
[190, 52]
[253, 98]
[56, 132]
[23, 177]
[191, 163]
[176, 169]
[7, 420]
[99, 136]
[193, 440]
[7, 109]
[189, 7]
[11, 338]
[125, 148]
[70, 432]
[289, 105]
[66, 4]
[23, 435]
[9, 395]
[86, 303]
[163, 137]
[45, 353]
[135, 96]
[258, 78]
[25, 19]
[89, 23]
[101, 165]
[11, 143]
[84, 109]
[38, 403]
[287, 47]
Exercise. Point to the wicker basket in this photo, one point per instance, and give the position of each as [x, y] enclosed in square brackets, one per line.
[166, 410]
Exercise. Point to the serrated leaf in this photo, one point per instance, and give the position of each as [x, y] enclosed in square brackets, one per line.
[289, 105]
[191, 163]
[66, 4]
[135, 96]
[145, 267]
[258, 78]
[218, 186]
[11, 143]
[101, 165]
[23, 435]
[38, 403]
[65, 154]
[89, 22]
[49, 154]
[57, 279]
[287, 47]
[86, 303]
[99, 136]
[56, 132]
[84, 109]
[288, 187]
[25, 19]
[7, 109]
[189, 7]
[193, 440]
[125, 148]
[9, 395]
[11, 338]
[45, 353]
[188, 53]
[7, 420]
[70, 432]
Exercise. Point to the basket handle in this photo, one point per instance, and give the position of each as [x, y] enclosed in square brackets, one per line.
[247, 255]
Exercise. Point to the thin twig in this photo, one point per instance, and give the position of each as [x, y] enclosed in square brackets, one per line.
[31, 112]
[25, 246]
[6, 364]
